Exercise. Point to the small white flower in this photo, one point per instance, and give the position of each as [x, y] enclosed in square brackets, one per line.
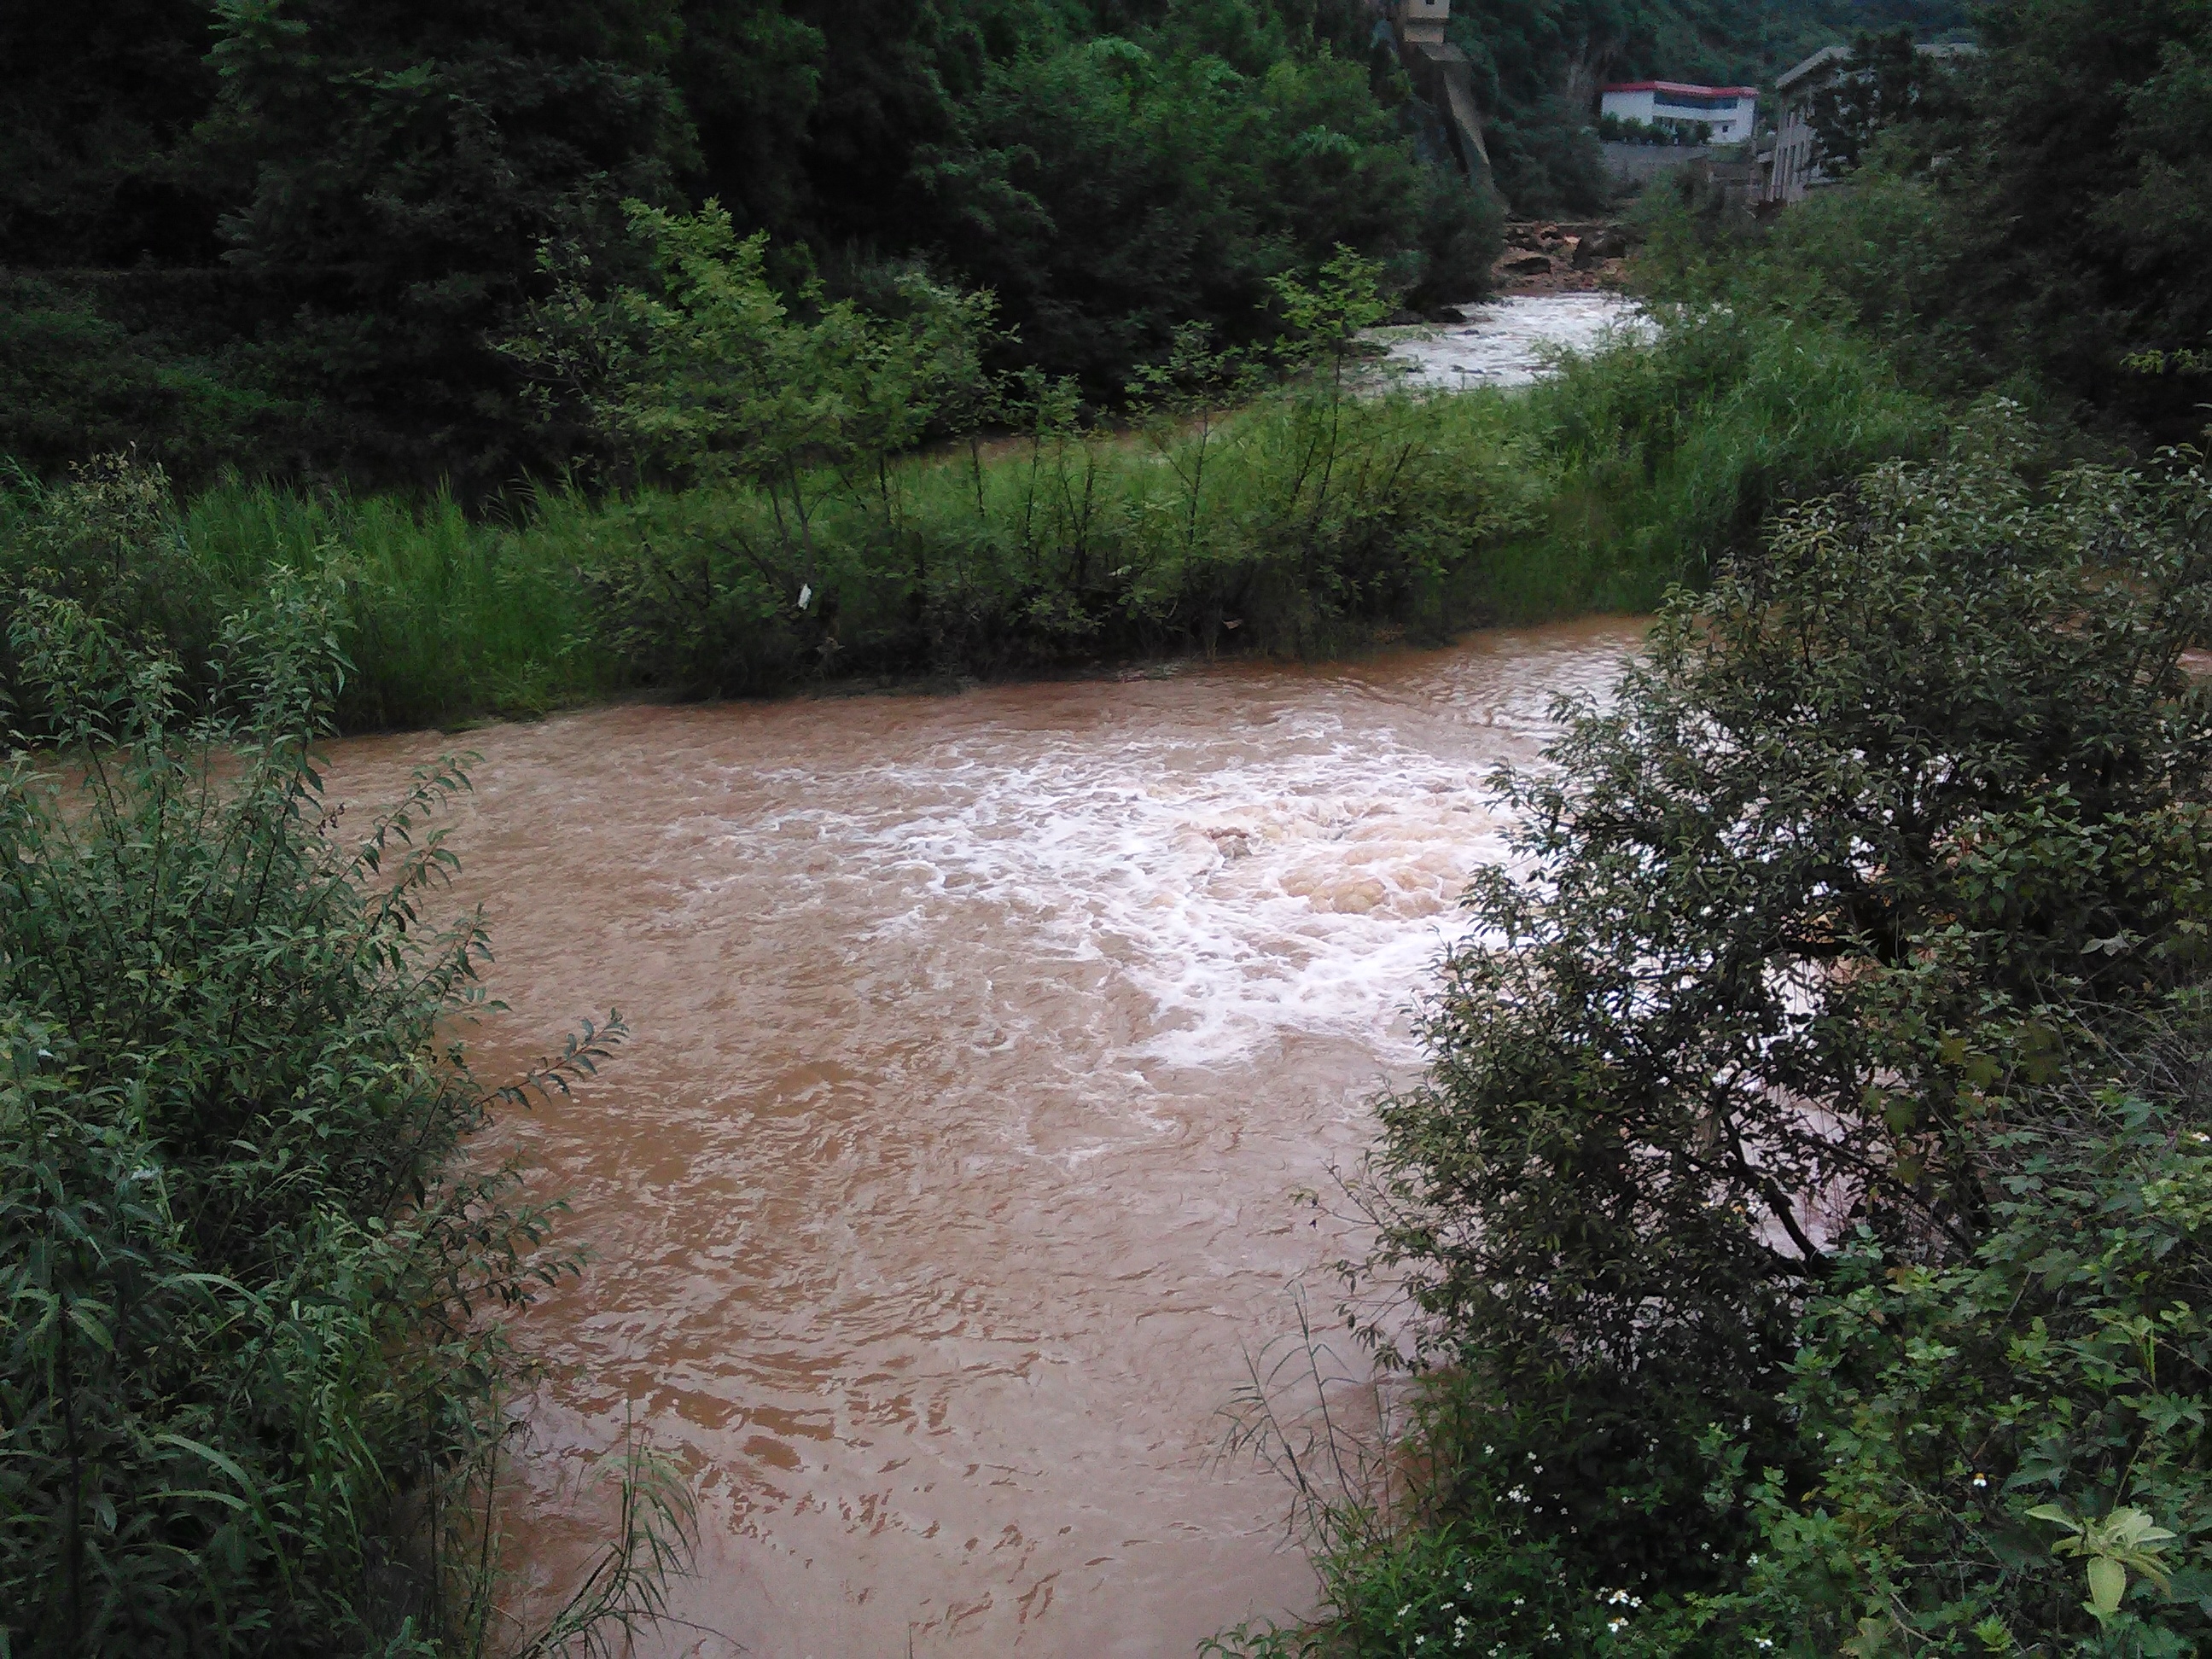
[1981, 1480]
[1403, 1611]
[1763, 1645]
[1615, 1625]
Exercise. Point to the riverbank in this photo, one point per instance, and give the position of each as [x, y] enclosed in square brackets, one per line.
[1306, 524]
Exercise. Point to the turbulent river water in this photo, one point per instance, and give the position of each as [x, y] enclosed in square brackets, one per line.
[981, 1043]
[1509, 342]
[981, 1046]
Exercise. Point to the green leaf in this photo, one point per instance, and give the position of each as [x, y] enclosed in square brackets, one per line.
[2108, 1582]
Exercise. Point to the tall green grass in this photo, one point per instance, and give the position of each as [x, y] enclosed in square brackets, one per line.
[444, 615]
[1306, 524]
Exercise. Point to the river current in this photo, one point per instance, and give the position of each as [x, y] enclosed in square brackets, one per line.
[981, 1046]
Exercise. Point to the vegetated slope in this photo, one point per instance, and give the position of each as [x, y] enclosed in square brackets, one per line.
[282, 238]
[2034, 223]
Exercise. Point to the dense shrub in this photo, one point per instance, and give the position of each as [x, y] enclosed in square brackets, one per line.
[2011, 1450]
[246, 1265]
[1746, 1216]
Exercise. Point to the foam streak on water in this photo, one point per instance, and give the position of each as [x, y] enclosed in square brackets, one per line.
[980, 1043]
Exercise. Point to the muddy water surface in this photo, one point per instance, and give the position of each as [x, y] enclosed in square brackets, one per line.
[981, 1045]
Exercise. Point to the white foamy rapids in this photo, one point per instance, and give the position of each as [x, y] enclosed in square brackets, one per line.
[1303, 877]
[1305, 891]
[1509, 343]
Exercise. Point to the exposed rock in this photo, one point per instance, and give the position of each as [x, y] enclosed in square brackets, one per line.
[1598, 244]
[1524, 265]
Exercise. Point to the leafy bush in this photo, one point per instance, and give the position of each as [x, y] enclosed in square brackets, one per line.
[1878, 814]
[109, 540]
[246, 1265]
[2012, 1450]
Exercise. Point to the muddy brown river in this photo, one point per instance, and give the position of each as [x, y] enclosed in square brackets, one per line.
[980, 1046]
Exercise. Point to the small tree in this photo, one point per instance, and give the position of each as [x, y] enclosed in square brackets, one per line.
[1322, 326]
[708, 375]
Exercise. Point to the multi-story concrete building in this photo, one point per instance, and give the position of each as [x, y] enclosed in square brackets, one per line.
[1792, 167]
[1727, 113]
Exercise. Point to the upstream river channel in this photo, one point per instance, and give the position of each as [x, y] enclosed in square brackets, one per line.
[982, 1044]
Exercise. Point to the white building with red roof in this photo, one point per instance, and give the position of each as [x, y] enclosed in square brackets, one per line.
[1727, 112]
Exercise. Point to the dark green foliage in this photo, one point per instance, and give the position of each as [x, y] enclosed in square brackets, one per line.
[74, 381]
[1884, 84]
[282, 235]
[243, 1349]
[403, 163]
[2089, 207]
[1985, 1432]
[1923, 765]
[1113, 190]
[92, 123]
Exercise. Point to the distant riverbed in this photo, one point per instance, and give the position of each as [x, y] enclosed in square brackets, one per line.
[1506, 343]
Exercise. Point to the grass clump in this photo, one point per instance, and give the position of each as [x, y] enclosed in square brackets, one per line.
[1304, 514]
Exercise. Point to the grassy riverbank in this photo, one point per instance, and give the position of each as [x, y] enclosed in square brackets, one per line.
[1309, 521]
